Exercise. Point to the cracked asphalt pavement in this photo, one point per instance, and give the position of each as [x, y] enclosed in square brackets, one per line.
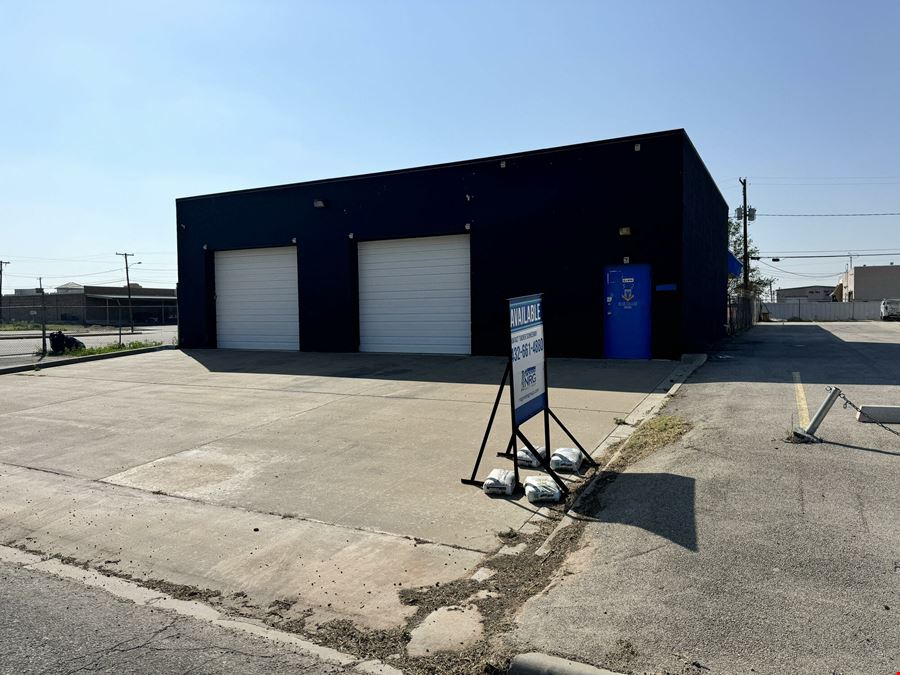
[52, 625]
[733, 551]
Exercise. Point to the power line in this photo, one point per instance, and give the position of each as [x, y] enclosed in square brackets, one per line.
[76, 274]
[835, 250]
[828, 177]
[826, 215]
[834, 255]
[823, 275]
[834, 184]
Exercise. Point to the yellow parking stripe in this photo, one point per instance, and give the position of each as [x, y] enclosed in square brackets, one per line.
[802, 407]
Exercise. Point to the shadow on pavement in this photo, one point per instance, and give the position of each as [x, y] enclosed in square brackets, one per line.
[661, 503]
[859, 447]
[586, 374]
[820, 355]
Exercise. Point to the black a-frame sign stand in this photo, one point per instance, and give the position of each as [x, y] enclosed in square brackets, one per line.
[517, 433]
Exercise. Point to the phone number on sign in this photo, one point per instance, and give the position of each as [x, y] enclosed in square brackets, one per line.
[526, 350]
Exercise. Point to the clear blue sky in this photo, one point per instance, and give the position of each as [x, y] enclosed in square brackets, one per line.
[112, 110]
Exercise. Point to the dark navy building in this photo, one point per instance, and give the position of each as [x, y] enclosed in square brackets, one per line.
[626, 239]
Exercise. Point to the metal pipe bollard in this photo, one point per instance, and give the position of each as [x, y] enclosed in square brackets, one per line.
[809, 433]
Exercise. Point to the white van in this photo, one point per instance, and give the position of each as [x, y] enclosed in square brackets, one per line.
[890, 309]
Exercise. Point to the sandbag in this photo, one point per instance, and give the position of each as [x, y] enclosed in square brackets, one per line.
[526, 459]
[542, 489]
[499, 482]
[566, 459]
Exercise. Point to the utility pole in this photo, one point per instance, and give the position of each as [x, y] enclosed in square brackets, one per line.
[743, 182]
[128, 286]
[43, 318]
[2, 263]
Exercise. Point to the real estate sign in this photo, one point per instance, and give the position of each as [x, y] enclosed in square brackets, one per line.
[526, 330]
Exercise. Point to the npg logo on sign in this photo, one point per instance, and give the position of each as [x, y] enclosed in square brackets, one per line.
[529, 377]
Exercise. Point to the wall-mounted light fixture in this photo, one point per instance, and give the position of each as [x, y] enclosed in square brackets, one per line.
[319, 203]
[350, 236]
[637, 147]
[503, 164]
[293, 240]
[468, 226]
[624, 231]
[204, 247]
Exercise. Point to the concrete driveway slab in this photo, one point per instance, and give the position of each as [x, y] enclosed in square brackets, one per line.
[35, 391]
[375, 463]
[106, 433]
[338, 571]
[349, 463]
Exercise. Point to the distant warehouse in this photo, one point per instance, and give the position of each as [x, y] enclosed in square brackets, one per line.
[626, 238]
[871, 282]
[102, 305]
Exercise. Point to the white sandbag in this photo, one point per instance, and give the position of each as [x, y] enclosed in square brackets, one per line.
[566, 459]
[526, 459]
[499, 482]
[542, 489]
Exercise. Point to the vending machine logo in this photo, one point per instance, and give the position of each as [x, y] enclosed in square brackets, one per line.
[628, 289]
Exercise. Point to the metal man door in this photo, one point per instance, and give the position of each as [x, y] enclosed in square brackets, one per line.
[626, 325]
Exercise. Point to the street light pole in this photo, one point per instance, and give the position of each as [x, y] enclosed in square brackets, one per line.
[43, 318]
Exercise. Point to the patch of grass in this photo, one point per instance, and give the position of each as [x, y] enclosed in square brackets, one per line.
[113, 347]
[653, 434]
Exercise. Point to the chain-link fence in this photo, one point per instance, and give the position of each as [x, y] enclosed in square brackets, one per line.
[27, 323]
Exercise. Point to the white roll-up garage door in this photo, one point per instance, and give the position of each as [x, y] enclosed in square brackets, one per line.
[256, 299]
[414, 295]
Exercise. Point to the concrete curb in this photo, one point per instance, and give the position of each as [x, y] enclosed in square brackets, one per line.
[534, 663]
[132, 592]
[40, 365]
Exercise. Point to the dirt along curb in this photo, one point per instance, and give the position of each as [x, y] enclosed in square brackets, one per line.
[141, 595]
[613, 455]
[65, 361]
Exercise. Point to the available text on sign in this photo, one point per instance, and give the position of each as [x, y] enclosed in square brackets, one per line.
[526, 327]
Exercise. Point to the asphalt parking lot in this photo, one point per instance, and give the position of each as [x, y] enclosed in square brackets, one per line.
[329, 478]
[733, 551]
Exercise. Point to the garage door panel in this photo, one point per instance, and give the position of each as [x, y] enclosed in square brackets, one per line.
[423, 346]
[417, 270]
[410, 285]
[414, 295]
[401, 247]
[257, 299]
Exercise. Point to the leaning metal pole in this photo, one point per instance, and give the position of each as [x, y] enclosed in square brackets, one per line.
[809, 433]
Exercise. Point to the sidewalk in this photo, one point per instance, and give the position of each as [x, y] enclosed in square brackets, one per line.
[734, 552]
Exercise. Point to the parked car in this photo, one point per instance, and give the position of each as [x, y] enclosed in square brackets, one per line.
[890, 309]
